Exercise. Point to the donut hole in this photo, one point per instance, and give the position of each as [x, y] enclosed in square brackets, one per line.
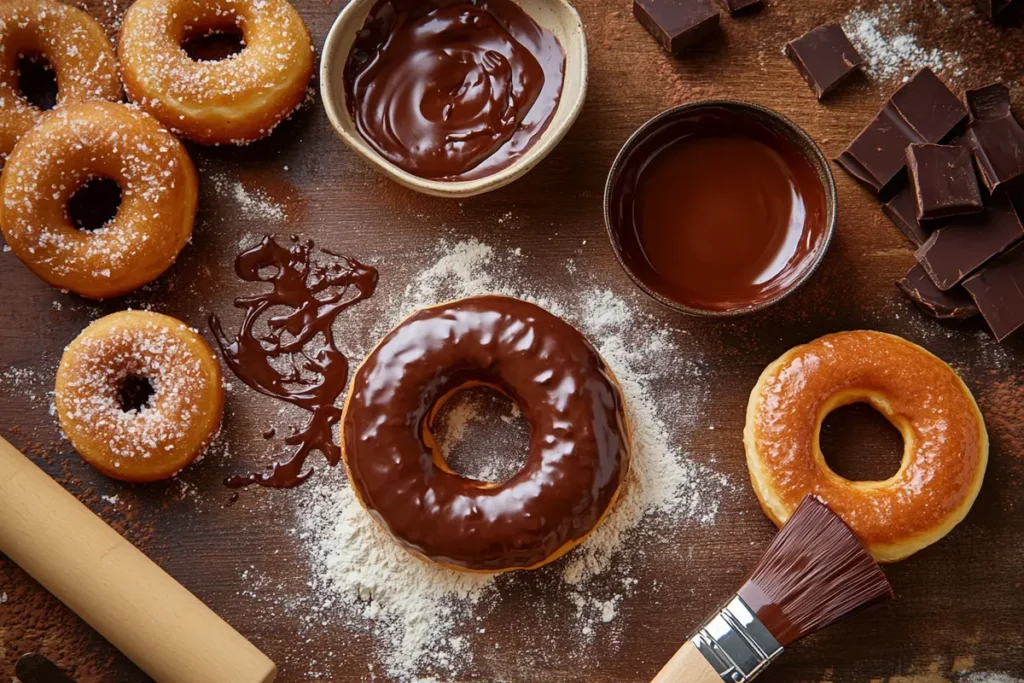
[213, 44]
[136, 392]
[482, 435]
[94, 204]
[37, 81]
[860, 444]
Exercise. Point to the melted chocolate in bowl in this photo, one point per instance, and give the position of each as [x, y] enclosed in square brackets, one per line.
[718, 209]
[452, 89]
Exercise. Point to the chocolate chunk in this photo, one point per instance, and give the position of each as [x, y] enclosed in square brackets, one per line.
[965, 243]
[825, 58]
[902, 210]
[944, 181]
[998, 289]
[954, 304]
[995, 136]
[733, 6]
[923, 110]
[677, 24]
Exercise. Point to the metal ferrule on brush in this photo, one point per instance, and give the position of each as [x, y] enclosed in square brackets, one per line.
[736, 644]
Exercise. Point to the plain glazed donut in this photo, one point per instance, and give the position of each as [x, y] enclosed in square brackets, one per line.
[72, 42]
[159, 439]
[159, 191]
[234, 100]
[946, 444]
[579, 439]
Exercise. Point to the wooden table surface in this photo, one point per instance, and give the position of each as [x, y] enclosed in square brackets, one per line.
[960, 605]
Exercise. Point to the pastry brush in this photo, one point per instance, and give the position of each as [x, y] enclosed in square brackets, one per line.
[813, 574]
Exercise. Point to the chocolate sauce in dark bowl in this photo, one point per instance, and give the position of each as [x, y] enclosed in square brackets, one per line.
[720, 208]
[452, 89]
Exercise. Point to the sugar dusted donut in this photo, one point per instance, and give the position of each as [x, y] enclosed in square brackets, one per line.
[234, 100]
[946, 444]
[167, 432]
[72, 42]
[579, 438]
[77, 144]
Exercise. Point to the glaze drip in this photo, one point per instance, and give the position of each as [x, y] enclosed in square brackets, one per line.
[286, 362]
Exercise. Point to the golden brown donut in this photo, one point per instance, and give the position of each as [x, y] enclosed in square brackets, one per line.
[234, 100]
[72, 42]
[166, 434]
[946, 444]
[78, 143]
[579, 438]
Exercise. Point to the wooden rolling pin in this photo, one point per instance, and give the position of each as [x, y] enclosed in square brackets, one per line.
[110, 584]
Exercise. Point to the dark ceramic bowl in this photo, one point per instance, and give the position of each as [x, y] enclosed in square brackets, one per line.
[672, 125]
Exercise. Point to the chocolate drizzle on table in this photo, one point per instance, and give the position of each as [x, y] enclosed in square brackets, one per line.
[452, 89]
[278, 350]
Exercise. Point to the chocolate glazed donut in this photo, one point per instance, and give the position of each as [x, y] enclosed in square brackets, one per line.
[579, 441]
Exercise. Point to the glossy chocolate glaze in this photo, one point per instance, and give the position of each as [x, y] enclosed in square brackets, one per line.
[452, 89]
[716, 210]
[579, 441]
[276, 351]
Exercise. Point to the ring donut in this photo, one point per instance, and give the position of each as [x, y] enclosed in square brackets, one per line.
[76, 48]
[160, 438]
[946, 444]
[579, 440]
[235, 100]
[77, 144]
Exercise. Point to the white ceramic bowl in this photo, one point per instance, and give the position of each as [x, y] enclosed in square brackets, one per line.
[557, 16]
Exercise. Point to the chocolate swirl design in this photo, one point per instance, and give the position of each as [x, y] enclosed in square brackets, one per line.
[443, 88]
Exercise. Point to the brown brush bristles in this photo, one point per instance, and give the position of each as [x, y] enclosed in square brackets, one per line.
[814, 573]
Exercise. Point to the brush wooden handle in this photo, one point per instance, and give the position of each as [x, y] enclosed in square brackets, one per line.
[687, 666]
[109, 583]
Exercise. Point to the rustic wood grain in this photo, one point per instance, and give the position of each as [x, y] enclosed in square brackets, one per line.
[960, 603]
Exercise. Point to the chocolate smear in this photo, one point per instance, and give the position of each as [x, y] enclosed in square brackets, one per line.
[285, 348]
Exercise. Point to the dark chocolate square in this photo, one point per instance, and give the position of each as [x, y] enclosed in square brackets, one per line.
[733, 6]
[955, 304]
[998, 290]
[923, 110]
[902, 210]
[677, 24]
[994, 136]
[944, 181]
[825, 57]
[965, 243]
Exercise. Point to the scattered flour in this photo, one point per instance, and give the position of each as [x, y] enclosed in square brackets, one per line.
[417, 612]
[984, 677]
[254, 203]
[889, 51]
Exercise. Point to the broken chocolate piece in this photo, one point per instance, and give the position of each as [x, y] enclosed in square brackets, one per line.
[923, 110]
[677, 24]
[944, 181]
[995, 136]
[825, 57]
[998, 290]
[955, 304]
[902, 210]
[733, 6]
[965, 243]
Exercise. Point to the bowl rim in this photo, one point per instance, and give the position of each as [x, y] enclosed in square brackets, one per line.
[577, 60]
[819, 160]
